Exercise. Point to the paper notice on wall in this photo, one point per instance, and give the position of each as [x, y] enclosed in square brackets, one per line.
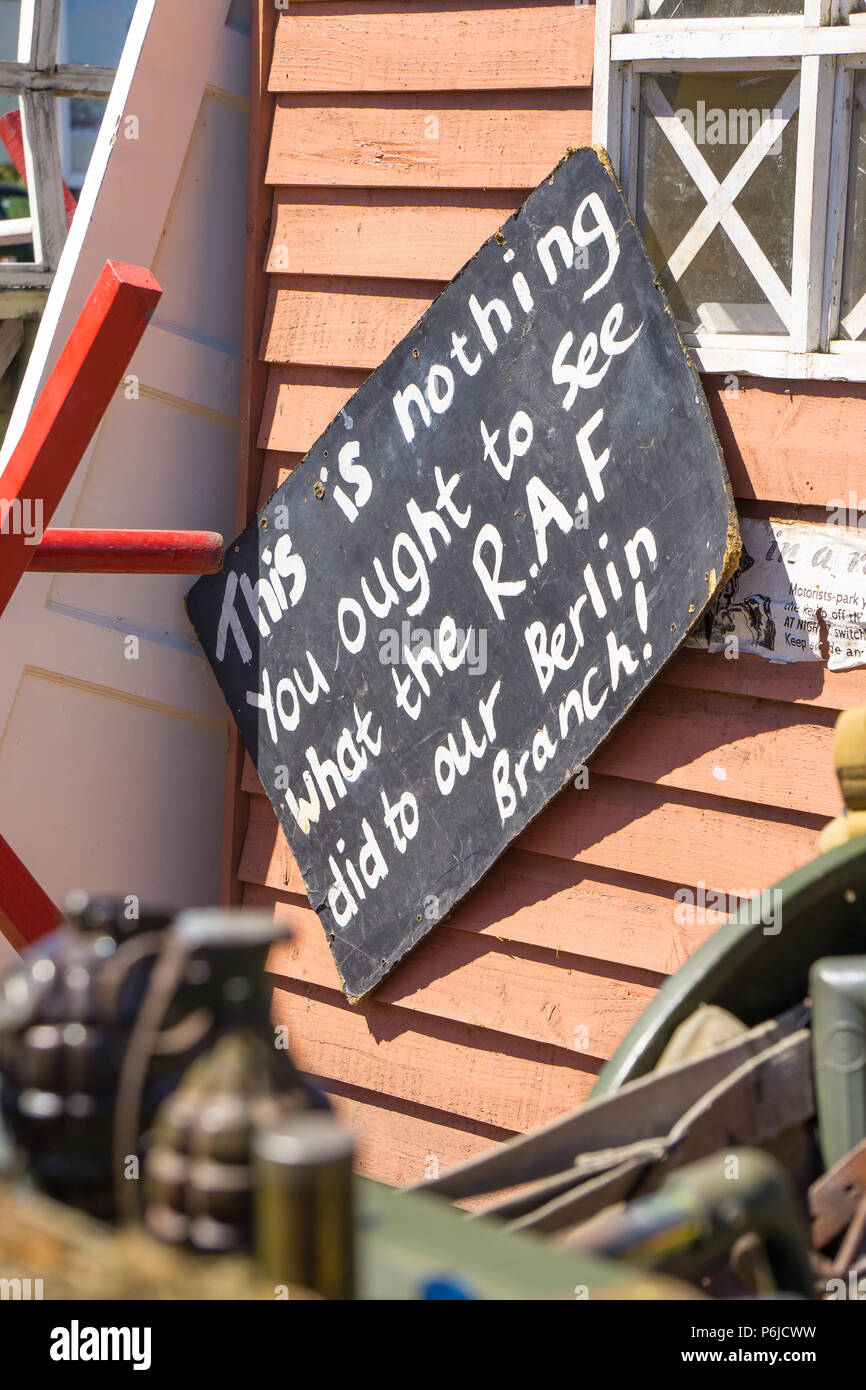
[799, 594]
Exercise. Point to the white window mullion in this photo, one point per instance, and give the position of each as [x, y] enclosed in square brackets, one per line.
[810, 201]
[27, 32]
[44, 52]
[630, 137]
[817, 12]
[69, 80]
[611, 17]
[44, 176]
[37, 51]
[837, 203]
[37, 33]
[37, 80]
[770, 42]
[776, 362]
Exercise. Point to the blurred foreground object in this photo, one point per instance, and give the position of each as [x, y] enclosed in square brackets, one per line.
[837, 985]
[198, 1172]
[849, 761]
[304, 1210]
[758, 1044]
[730, 1118]
[66, 1013]
[243, 1153]
[407, 1249]
[699, 1213]
[68, 1255]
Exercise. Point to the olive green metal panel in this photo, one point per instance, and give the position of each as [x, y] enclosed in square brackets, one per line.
[837, 985]
[417, 1246]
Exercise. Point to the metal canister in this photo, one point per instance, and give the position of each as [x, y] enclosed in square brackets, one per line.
[837, 985]
[198, 1169]
[303, 1208]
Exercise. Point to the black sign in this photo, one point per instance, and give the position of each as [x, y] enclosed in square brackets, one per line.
[475, 571]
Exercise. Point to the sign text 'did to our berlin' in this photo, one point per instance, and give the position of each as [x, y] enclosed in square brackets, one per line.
[475, 571]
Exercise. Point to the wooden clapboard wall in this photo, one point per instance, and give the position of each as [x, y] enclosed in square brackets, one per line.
[389, 140]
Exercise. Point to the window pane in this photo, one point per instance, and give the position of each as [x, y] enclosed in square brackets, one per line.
[79, 119]
[717, 9]
[727, 139]
[853, 289]
[10, 14]
[94, 31]
[14, 204]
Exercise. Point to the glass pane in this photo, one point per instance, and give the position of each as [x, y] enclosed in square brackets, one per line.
[853, 288]
[94, 31]
[716, 280]
[80, 119]
[717, 9]
[14, 204]
[10, 14]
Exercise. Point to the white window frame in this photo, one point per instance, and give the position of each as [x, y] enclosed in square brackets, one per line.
[829, 46]
[37, 79]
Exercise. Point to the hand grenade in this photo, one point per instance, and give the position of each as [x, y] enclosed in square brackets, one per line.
[65, 1016]
[198, 1166]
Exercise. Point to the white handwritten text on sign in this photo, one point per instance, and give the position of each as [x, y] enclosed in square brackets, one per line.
[474, 572]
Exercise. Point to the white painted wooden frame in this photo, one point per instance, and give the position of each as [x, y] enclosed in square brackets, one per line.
[37, 80]
[163, 201]
[823, 48]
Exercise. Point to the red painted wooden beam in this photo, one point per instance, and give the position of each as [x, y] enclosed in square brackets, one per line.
[59, 429]
[27, 908]
[69, 408]
[129, 552]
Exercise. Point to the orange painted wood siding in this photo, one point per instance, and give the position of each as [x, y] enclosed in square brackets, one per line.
[391, 140]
